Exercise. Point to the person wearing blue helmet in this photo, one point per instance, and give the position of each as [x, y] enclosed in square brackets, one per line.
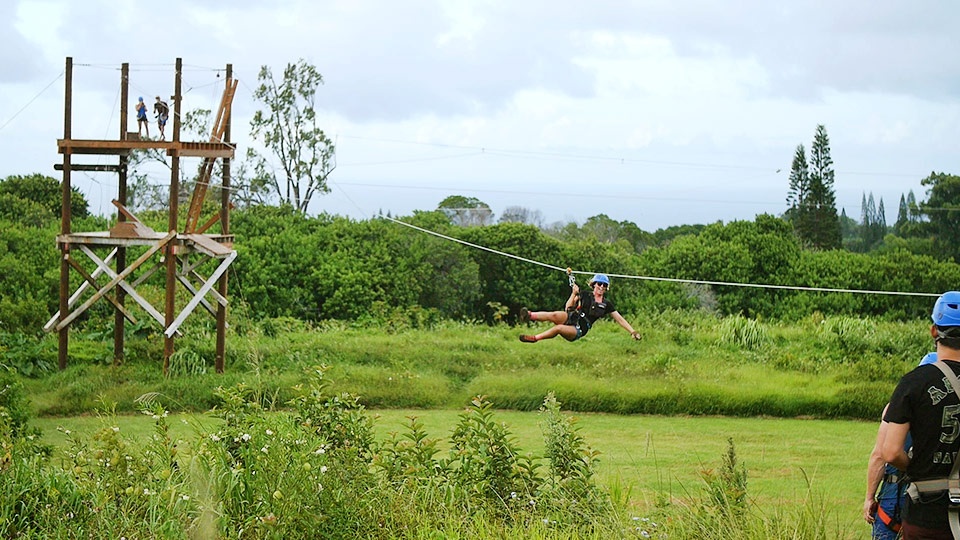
[142, 122]
[885, 491]
[926, 407]
[580, 312]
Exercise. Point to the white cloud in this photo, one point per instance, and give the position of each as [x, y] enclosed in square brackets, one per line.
[665, 104]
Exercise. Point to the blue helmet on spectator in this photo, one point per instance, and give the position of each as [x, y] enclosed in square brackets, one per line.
[946, 312]
[600, 278]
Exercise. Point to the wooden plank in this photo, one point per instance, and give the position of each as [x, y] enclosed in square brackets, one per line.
[191, 149]
[205, 244]
[88, 168]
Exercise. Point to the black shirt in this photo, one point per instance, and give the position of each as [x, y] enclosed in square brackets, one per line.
[925, 399]
[593, 310]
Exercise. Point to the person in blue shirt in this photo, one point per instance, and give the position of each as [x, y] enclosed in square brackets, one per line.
[142, 122]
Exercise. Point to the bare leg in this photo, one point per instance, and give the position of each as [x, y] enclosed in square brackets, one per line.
[565, 331]
[556, 317]
[559, 328]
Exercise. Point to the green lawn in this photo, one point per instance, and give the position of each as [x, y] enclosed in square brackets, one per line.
[651, 456]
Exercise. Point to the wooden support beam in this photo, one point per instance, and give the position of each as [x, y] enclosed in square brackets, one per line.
[93, 282]
[192, 304]
[83, 286]
[64, 322]
[89, 168]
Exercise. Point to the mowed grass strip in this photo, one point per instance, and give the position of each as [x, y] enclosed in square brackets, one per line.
[652, 458]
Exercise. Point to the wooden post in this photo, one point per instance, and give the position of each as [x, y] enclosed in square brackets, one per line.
[172, 224]
[225, 228]
[64, 335]
[118, 319]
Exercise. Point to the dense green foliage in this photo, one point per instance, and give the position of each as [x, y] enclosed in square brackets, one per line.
[330, 267]
[314, 473]
[38, 195]
[942, 207]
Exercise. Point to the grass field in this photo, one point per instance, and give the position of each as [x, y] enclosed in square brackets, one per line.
[799, 401]
[652, 457]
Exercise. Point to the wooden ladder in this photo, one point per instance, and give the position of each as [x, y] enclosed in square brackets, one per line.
[206, 171]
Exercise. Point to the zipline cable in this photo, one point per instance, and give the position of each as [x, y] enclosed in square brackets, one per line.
[34, 98]
[671, 280]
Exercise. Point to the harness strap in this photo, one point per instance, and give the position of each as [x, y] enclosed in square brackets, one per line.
[887, 520]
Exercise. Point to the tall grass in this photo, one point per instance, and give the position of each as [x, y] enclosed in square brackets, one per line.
[687, 363]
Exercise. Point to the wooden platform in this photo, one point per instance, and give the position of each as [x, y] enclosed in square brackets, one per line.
[201, 242]
[123, 148]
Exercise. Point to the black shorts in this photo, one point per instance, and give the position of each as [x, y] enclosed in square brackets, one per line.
[580, 322]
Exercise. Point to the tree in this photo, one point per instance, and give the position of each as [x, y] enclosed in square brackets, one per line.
[903, 216]
[942, 208]
[466, 211]
[46, 192]
[798, 193]
[519, 214]
[850, 232]
[826, 224]
[811, 201]
[910, 223]
[881, 221]
[873, 223]
[289, 131]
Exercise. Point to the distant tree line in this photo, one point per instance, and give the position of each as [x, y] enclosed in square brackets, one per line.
[332, 267]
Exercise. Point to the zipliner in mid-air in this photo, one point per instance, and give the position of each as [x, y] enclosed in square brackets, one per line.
[580, 312]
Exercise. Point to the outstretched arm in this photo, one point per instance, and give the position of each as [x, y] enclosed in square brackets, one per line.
[626, 326]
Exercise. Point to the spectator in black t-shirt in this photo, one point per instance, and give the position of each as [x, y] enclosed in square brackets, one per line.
[925, 406]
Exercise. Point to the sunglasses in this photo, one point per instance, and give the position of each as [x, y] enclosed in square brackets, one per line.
[598, 284]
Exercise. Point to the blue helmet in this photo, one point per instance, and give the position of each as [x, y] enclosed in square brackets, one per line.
[140, 98]
[946, 312]
[600, 278]
[928, 359]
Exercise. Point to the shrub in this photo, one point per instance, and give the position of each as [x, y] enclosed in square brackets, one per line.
[743, 332]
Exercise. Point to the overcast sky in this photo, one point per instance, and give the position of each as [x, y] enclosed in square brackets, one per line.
[656, 112]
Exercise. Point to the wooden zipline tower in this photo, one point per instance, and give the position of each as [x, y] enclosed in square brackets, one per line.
[180, 254]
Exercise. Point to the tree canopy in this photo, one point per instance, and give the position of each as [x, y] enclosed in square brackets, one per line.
[305, 156]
